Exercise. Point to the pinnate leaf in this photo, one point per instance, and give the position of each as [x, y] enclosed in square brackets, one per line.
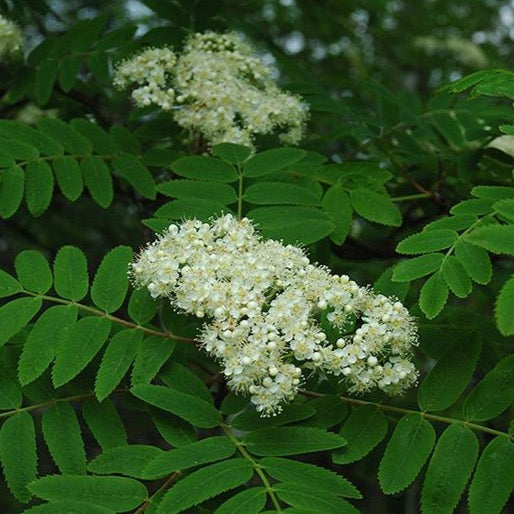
[408, 449]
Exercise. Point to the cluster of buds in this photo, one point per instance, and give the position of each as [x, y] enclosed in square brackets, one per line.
[272, 315]
[11, 38]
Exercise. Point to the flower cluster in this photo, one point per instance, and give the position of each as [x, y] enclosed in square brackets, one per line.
[270, 311]
[11, 39]
[216, 86]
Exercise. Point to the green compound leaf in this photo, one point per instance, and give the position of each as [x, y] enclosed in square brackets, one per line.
[434, 294]
[61, 431]
[232, 153]
[33, 271]
[136, 174]
[505, 307]
[194, 454]
[204, 484]
[116, 361]
[292, 224]
[111, 280]
[117, 493]
[321, 479]
[494, 238]
[450, 376]
[68, 507]
[151, 355]
[204, 168]
[273, 160]
[129, 460]
[98, 180]
[408, 449]
[199, 190]
[281, 441]
[69, 177]
[449, 469]
[475, 260]
[427, 241]
[12, 187]
[336, 203]
[18, 453]
[44, 341]
[246, 502]
[417, 267]
[15, 315]
[82, 343]
[191, 408]
[8, 285]
[493, 479]
[493, 394]
[71, 279]
[456, 277]
[142, 307]
[375, 207]
[104, 423]
[269, 193]
[364, 429]
[39, 187]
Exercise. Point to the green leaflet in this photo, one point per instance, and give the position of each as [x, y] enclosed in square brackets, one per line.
[232, 153]
[505, 208]
[110, 284]
[493, 480]
[116, 361]
[282, 441]
[493, 394]
[427, 241]
[104, 423]
[249, 501]
[417, 267]
[72, 141]
[33, 271]
[44, 341]
[475, 260]
[82, 343]
[68, 70]
[136, 174]
[450, 376]
[192, 455]
[375, 207]
[102, 141]
[321, 479]
[363, 430]
[204, 484]
[117, 493]
[505, 307]
[18, 453]
[12, 186]
[434, 294]
[19, 131]
[269, 193]
[45, 78]
[494, 193]
[152, 352]
[8, 285]
[384, 285]
[61, 431]
[408, 449]
[330, 411]
[142, 307]
[198, 190]
[181, 378]
[39, 186]
[69, 177]
[270, 161]
[456, 277]
[173, 430]
[494, 238]
[449, 469]
[336, 204]
[191, 408]
[15, 315]
[456, 222]
[129, 460]
[98, 180]
[10, 393]
[204, 168]
[71, 279]
[69, 507]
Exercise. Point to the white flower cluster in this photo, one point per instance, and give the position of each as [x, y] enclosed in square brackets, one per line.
[216, 86]
[11, 39]
[268, 309]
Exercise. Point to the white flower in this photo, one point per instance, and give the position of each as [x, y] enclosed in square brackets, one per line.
[216, 86]
[264, 305]
[11, 39]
